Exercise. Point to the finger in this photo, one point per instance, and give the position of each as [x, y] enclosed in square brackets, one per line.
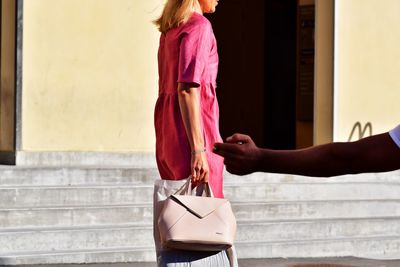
[193, 181]
[226, 150]
[204, 175]
[198, 169]
[193, 174]
[194, 184]
[239, 138]
[207, 177]
[201, 175]
[217, 147]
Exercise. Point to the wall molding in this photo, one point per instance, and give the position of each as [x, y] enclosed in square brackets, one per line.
[65, 159]
[7, 157]
[18, 104]
[324, 72]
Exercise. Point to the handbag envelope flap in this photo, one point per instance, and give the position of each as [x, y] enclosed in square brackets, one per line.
[199, 206]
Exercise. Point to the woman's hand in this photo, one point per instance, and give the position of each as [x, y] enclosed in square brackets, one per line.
[200, 170]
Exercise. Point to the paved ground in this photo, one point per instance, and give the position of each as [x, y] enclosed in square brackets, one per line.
[326, 262]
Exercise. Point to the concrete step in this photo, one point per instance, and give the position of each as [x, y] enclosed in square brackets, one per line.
[293, 230]
[141, 235]
[371, 247]
[308, 210]
[78, 238]
[74, 196]
[112, 255]
[75, 216]
[91, 175]
[131, 194]
[104, 214]
[386, 177]
[69, 176]
[312, 191]
[86, 159]
[358, 247]
[12, 218]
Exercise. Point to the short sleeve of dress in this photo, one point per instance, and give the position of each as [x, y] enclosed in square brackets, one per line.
[395, 134]
[194, 51]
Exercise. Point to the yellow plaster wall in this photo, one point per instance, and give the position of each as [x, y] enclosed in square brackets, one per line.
[89, 75]
[367, 65]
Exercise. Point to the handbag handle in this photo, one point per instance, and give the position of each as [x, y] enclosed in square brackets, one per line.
[208, 190]
[203, 189]
[185, 189]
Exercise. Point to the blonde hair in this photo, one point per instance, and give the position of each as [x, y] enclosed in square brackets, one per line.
[175, 13]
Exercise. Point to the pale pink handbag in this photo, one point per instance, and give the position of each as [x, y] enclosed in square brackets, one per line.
[201, 223]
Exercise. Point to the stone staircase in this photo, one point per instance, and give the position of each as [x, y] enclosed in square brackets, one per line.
[104, 214]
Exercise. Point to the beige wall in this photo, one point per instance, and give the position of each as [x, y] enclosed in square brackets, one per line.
[89, 75]
[367, 65]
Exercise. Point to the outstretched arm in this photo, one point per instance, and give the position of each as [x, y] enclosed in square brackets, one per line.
[372, 154]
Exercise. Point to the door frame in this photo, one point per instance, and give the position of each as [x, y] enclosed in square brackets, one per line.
[10, 70]
[324, 71]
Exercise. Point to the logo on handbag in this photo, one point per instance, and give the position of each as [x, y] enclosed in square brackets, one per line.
[218, 233]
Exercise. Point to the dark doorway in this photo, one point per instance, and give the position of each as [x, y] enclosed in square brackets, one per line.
[239, 28]
[8, 80]
[305, 75]
[257, 74]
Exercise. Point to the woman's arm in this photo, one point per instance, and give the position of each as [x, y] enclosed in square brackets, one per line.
[372, 154]
[189, 103]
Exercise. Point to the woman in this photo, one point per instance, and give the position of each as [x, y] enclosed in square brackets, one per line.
[186, 113]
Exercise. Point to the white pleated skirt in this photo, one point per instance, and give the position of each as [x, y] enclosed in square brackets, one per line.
[178, 258]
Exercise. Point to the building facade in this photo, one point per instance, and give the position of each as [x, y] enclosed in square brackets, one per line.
[78, 87]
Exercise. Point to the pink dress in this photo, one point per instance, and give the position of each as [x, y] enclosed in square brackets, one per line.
[187, 54]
